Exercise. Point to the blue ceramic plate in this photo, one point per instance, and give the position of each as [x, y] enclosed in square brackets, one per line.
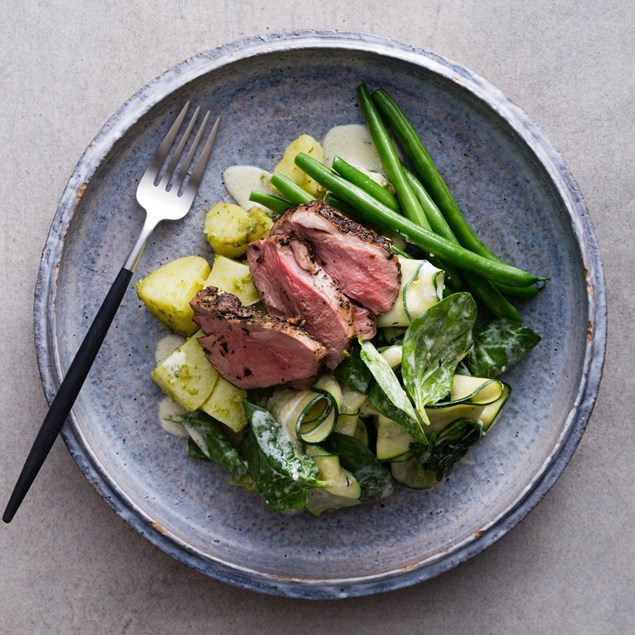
[512, 186]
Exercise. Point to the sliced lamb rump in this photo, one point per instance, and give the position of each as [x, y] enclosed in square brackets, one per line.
[292, 285]
[359, 260]
[251, 349]
[365, 322]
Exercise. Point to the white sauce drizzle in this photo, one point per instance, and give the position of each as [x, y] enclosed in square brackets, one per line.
[164, 348]
[168, 408]
[241, 180]
[354, 144]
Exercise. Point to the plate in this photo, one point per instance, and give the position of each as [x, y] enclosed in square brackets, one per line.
[514, 189]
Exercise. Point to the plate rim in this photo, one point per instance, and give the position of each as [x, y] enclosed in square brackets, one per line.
[158, 89]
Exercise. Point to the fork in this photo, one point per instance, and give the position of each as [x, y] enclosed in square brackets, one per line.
[166, 193]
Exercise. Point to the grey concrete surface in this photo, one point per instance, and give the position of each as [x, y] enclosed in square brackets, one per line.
[68, 564]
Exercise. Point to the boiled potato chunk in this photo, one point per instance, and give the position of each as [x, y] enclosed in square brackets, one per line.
[308, 145]
[186, 375]
[167, 291]
[262, 223]
[233, 277]
[225, 404]
[229, 228]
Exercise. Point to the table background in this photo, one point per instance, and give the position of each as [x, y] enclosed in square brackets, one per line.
[69, 564]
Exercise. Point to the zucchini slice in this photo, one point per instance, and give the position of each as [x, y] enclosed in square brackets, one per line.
[491, 411]
[393, 442]
[421, 287]
[309, 415]
[321, 500]
[412, 475]
[341, 482]
[476, 390]
[469, 397]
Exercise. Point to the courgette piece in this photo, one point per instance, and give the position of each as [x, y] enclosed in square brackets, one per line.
[186, 375]
[469, 397]
[393, 441]
[321, 500]
[476, 390]
[393, 355]
[491, 411]
[410, 474]
[347, 424]
[352, 400]
[421, 286]
[309, 415]
[341, 482]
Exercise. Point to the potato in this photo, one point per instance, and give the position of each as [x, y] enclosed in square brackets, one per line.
[262, 223]
[227, 228]
[186, 375]
[233, 277]
[167, 291]
[308, 145]
[225, 404]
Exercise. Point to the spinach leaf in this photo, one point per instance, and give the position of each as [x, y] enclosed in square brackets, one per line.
[281, 452]
[433, 346]
[447, 447]
[210, 442]
[194, 452]
[353, 372]
[387, 394]
[499, 345]
[374, 480]
[279, 491]
[378, 399]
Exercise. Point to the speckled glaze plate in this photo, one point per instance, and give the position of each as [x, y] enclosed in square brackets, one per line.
[512, 186]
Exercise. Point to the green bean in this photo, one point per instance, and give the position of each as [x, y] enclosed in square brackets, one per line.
[483, 290]
[361, 179]
[523, 293]
[428, 172]
[274, 203]
[436, 219]
[389, 159]
[291, 190]
[367, 209]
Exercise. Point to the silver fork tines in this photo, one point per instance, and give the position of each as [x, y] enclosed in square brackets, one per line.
[168, 193]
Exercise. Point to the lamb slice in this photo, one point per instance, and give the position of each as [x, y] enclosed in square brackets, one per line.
[292, 285]
[251, 349]
[364, 321]
[359, 260]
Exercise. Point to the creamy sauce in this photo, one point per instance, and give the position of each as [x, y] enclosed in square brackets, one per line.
[354, 144]
[241, 180]
[166, 346]
[168, 408]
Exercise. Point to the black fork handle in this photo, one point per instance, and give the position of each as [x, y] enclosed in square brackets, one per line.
[68, 391]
